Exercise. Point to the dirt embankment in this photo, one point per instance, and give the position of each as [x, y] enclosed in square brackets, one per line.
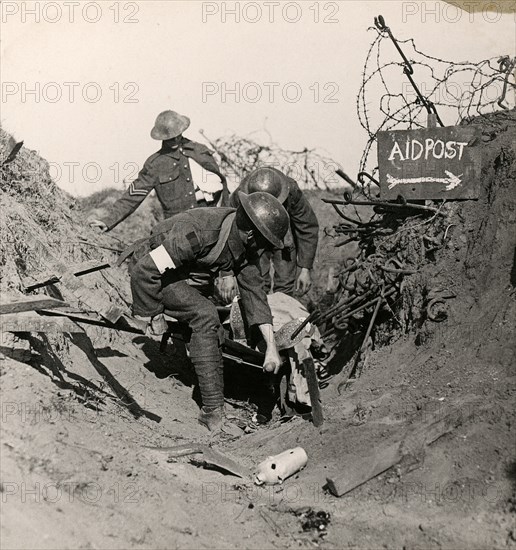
[78, 414]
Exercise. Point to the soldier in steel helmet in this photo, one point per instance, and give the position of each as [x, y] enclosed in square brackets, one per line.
[214, 240]
[183, 173]
[294, 262]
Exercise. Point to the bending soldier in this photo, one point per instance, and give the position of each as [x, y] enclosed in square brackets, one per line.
[300, 252]
[211, 239]
[184, 174]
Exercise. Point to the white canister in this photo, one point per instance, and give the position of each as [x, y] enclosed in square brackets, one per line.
[275, 469]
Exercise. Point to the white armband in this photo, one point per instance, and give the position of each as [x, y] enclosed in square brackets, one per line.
[162, 259]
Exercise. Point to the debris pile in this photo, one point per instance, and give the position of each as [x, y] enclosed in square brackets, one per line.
[314, 521]
[397, 240]
[396, 281]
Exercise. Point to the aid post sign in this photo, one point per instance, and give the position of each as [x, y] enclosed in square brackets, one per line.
[430, 163]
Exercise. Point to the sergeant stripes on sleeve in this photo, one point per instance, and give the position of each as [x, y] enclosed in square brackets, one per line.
[133, 191]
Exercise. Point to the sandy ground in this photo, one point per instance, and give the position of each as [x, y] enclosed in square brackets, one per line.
[80, 416]
[78, 474]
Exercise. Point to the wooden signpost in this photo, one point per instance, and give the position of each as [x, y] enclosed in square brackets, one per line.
[430, 163]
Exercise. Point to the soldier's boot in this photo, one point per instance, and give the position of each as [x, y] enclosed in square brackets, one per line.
[206, 358]
[212, 418]
[212, 392]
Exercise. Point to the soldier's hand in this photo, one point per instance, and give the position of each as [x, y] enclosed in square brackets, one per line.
[228, 288]
[97, 224]
[304, 281]
[272, 362]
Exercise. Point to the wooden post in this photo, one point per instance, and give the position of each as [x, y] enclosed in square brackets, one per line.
[313, 391]
[29, 303]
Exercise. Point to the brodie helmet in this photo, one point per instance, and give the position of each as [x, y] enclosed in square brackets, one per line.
[168, 125]
[267, 214]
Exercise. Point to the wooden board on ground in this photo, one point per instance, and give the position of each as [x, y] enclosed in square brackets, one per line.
[88, 297]
[358, 471]
[124, 324]
[18, 304]
[79, 270]
[34, 322]
[430, 163]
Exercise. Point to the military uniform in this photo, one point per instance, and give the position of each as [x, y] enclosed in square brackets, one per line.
[303, 248]
[168, 172]
[159, 284]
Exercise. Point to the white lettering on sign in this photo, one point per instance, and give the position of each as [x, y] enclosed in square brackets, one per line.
[452, 181]
[437, 149]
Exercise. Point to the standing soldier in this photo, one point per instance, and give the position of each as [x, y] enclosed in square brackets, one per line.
[211, 239]
[169, 172]
[304, 233]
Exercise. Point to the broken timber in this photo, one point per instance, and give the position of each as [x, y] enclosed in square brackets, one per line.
[359, 471]
[110, 312]
[124, 323]
[30, 303]
[78, 270]
[33, 322]
[85, 295]
[313, 391]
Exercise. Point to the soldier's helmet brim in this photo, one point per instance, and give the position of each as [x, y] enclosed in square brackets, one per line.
[267, 218]
[279, 177]
[169, 125]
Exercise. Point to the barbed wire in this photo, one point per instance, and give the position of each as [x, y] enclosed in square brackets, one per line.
[460, 90]
[239, 155]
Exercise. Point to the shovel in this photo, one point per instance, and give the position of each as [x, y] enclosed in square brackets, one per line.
[210, 457]
[289, 335]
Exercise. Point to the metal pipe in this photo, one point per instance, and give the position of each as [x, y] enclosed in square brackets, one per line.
[407, 69]
[349, 200]
[370, 303]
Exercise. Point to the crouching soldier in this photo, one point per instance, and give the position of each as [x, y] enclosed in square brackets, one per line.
[211, 239]
[304, 234]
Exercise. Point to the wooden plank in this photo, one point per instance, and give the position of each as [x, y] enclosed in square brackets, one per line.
[124, 324]
[313, 391]
[79, 270]
[359, 471]
[33, 322]
[29, 303]
[430, 163]
[88, 297]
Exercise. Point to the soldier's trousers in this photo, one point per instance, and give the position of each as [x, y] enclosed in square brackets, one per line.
[188, 305]
[285, 268]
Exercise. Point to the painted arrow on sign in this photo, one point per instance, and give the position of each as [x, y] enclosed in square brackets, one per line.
[452, 181]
